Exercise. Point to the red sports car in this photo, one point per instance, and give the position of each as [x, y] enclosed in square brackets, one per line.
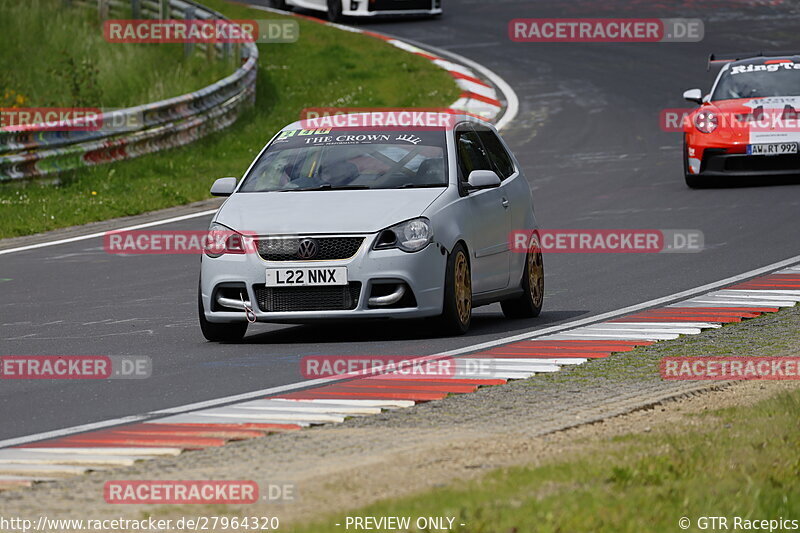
[748, 124]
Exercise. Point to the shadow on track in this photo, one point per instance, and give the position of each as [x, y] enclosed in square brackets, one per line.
[483, 324]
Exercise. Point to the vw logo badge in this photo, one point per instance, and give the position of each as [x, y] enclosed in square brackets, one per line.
[307, 249]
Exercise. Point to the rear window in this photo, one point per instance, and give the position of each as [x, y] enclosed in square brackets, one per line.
[326, 159]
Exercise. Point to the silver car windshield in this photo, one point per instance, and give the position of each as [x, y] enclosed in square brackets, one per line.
[312, 160]
[759, 81]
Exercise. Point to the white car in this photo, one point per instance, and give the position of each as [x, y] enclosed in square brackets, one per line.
[337, 9]
[372, 223]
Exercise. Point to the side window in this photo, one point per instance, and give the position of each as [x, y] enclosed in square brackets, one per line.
[471, 154]
[503, 164]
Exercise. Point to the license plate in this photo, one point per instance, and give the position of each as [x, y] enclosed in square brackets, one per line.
[305, 277]
[772, 149]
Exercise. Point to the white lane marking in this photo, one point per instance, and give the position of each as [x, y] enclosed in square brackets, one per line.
[47, 469]
[622, 328]
[407, 47]
[100, 234]
[453, 67]
[267, 405]
[109, 451]
[512, 100]
[536, 361]
[285, 417]
[20, 456]
[473, 87]
[499, 373]
[532, 365]
[212, 419]
[25, 479]
[746, 296]
[386, 404]
[675, 324]
[737, 303]
[611, 336]
[766, 292]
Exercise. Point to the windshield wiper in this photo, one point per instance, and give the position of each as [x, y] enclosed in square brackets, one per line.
[327, 187]
[423, 186]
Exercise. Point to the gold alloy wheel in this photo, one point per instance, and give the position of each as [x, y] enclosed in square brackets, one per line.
[463, 288]
[536, 274]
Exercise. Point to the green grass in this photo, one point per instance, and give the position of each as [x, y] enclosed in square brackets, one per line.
[735, 462]
[325, 68]
[57, 57]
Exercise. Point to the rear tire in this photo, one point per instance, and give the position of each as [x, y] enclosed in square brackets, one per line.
[457, 310]
[335, 10]
[529, 305]
[232, 332]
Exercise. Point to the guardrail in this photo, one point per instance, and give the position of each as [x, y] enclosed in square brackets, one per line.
[156, 126]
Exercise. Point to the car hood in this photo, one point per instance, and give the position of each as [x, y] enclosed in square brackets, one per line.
[359, 211]
[757, 120]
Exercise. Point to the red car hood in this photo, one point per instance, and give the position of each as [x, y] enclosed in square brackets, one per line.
[758, 120]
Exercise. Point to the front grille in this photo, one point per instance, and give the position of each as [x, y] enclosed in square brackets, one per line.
[392, 5]
[288, 299]
[718, 160]
[327, 248]
[762, 163]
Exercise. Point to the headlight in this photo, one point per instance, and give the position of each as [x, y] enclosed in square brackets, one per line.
[223, 240]
[706, 121]
[410, 236]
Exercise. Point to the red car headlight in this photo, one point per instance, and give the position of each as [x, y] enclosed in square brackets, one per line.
[706, 121]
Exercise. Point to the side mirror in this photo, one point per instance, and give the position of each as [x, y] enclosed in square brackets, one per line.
[223, 187]
[482, 179]
[693, 95]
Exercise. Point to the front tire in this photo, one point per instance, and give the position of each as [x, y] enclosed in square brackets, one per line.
[280, 4]
[214, 332]
[529, 305]
[692, 180]
[457, 310]
[335, 10]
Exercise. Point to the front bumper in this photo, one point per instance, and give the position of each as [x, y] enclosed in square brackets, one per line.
[391, 8]
[423, 272]
[706, 157]
[718, 162]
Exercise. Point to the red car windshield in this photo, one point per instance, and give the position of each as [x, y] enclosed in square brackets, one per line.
[759, 81]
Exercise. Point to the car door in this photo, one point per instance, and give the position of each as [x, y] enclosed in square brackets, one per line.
[517, 191]
[488, 220]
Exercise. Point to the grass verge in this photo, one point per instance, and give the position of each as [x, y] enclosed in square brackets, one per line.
[325, 68]
[55, 56]
[734, 462]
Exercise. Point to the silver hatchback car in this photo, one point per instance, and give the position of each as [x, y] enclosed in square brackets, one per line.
[366, 222]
